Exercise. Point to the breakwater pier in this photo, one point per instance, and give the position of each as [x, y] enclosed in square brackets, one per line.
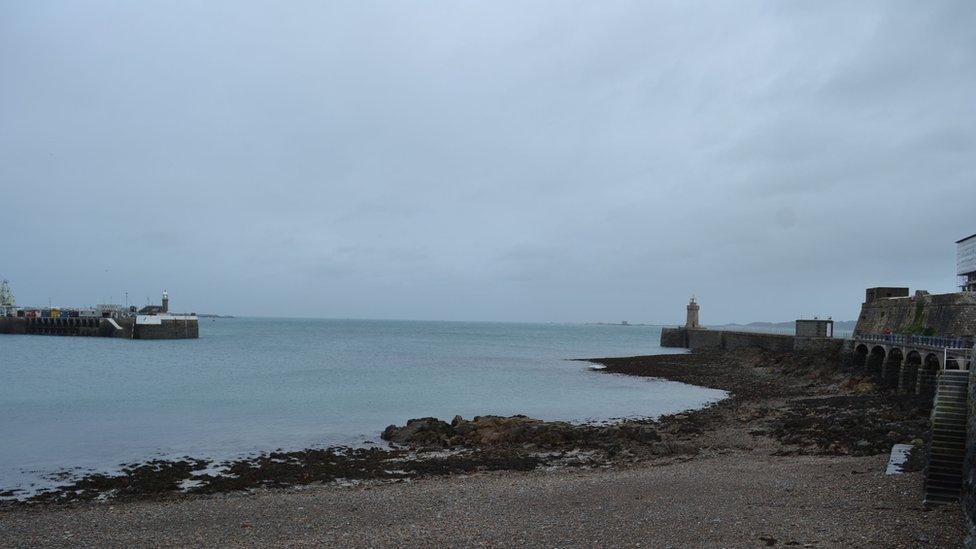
[149, 322]
[699, 339]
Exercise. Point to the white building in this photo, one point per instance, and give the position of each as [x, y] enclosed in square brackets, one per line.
[966, 263]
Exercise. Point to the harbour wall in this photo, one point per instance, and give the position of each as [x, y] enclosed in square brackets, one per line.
[168, 329]
[126, 327]
[702, 339]
[84, 327]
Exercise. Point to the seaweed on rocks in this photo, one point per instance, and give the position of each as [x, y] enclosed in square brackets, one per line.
[151, 478]
[492, 431]
[860, 424]
[426, 447]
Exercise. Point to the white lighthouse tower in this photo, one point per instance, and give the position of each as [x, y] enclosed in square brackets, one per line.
[692, 321]
[165, 301]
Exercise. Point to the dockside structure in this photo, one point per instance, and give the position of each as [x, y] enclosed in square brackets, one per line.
[150, 322]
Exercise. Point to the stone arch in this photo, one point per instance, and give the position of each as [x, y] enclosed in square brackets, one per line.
[952, 363]
[927, 375]
[876, 360]
[908, 377]
[861, 355]
[964, 362]
[892, 367]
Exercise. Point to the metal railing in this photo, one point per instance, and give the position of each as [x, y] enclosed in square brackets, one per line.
[960, 343]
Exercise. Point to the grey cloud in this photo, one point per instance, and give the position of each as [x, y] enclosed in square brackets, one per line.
[504, 161]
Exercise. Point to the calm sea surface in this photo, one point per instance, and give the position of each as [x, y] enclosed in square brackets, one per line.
[250, 385]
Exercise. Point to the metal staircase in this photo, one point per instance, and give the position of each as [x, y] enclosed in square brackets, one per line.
[943, 472]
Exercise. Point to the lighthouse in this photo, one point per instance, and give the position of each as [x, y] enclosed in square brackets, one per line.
[692, 321]
[166, 303]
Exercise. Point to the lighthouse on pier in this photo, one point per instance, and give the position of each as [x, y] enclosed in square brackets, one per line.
[692, 321]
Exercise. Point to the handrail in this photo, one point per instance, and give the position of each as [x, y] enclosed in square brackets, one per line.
[956, 343]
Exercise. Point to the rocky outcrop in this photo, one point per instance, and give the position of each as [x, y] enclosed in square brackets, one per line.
[517, 431]
[856, 424]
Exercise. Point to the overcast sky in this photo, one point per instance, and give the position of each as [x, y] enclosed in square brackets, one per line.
[528, 161]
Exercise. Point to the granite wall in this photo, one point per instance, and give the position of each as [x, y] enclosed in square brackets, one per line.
[168, 329]
[702, 339]
[674, 337]
[67, 326]
[937, 315]
[745, 340]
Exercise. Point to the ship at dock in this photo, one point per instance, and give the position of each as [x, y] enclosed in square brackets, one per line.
[107, 320]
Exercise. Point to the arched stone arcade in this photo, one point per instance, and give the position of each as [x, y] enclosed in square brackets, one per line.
[861, 355]
[911, 364]
[908, 377]
[927, 374]
[876, 360]
[892, 367]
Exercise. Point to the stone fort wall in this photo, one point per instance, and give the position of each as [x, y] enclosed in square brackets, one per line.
[936, 315]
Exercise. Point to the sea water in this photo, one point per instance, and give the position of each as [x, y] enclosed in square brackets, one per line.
[253, 385]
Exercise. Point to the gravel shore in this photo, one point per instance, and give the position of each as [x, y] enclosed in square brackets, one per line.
[736, 499]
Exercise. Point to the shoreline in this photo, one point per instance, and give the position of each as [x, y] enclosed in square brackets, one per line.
[784, 410]
[426, 447]
[161, 477]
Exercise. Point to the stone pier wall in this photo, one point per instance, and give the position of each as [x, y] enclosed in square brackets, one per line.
[701, 339]
[9, 325]
[67, 326]
[674, 337]
[168, 329]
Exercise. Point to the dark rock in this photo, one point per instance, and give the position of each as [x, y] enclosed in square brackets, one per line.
[521, 431]
[423, 432]
[859, 424]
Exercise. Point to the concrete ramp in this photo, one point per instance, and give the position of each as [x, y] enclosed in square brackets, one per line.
[111, 327]
[899, 455]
